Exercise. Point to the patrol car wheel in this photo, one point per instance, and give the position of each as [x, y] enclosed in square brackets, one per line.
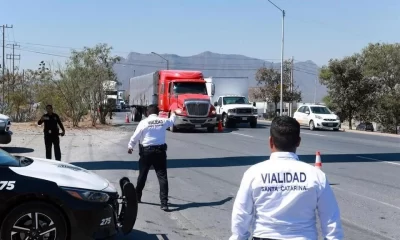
[34, 220]
[312, 126]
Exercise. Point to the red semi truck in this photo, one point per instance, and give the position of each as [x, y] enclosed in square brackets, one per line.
[184, 91]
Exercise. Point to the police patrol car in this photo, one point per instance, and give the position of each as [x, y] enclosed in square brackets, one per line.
[47, 199]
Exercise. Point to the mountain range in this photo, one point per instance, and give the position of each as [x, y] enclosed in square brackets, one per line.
[219, 65]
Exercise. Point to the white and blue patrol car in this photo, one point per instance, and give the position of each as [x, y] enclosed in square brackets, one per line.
[52, 200]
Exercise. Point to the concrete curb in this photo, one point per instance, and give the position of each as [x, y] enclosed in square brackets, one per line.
[374, 133]
[352, 131]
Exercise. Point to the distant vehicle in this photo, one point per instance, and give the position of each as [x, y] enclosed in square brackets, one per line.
[5, 132]
[365, 126]
[317, 117]
[184, 91]
[47, 199]
[230, 99]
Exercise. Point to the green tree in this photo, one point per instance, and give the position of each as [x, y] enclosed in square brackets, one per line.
[269, 83]
[381, 62]
[350, 93]
[87, 71]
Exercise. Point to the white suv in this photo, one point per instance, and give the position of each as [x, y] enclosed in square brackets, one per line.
[317, 117]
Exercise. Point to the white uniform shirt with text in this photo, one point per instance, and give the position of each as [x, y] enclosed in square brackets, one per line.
[277, 198]
[151, 131]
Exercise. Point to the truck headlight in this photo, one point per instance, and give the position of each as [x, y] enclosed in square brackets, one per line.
[178, 111]
[337, 118]
[231, 110]
[318, 117]
[87, 195]
[213, 112]
[255, 111]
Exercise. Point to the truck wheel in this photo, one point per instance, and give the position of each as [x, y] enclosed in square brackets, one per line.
[225, 121]
[173, 129]
[20, 222]
[253, 124]
[211, 129]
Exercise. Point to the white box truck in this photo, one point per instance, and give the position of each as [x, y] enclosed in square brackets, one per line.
[231, 102]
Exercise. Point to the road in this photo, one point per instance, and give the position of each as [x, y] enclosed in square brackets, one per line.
[205, 170]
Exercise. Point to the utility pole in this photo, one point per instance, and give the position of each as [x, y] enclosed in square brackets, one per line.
[162, 58]
[282, 48]
[4, 56]
[291, 87]
[315, 92]
[12, 58]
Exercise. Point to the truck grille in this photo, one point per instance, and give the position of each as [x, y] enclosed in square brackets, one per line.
[244, 110]
[331, 120]
[197, 108]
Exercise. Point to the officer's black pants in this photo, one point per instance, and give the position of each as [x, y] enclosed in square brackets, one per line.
[49, 141]
[157, 159]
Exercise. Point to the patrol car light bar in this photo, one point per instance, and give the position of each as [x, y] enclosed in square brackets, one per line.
[87, 195]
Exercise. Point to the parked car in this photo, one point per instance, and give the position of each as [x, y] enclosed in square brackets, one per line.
[365, 126]
[317, 117]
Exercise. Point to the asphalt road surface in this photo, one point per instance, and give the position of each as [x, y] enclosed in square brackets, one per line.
[205, 170]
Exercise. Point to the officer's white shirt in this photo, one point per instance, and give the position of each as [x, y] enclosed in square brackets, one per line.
[278, 199]
[151, 131]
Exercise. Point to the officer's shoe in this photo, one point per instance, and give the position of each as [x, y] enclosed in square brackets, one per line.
[164, 207]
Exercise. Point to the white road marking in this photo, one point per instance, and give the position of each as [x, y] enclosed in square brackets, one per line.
[159, 237]
[377, 160]
[369, 198]
[313, 134]
[244, 135]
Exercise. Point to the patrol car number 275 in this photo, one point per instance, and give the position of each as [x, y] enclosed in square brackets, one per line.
[47, 199]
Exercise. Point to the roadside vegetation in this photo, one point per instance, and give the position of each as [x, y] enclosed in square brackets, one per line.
[366, 86]
[75, 88]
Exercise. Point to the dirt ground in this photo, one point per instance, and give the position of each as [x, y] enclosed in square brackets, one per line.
[32, 127]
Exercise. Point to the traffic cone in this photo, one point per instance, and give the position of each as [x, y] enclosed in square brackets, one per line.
[318, 163]
[220, 126]
[127, 118]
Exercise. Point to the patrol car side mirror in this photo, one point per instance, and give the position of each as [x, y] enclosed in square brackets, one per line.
[307, 112]
[254, 104]
[215, 104]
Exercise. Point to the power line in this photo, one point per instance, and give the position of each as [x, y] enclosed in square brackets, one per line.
[183, 67]
[243, 58]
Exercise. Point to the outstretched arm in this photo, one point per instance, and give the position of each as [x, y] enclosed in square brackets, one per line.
[171, 120]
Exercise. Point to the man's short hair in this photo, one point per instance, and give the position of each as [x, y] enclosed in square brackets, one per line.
[285, 133]
[153, 109]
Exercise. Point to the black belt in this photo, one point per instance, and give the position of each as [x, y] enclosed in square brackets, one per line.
[256, 238]
[162, 147]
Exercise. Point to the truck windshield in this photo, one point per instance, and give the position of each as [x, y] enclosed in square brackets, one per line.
[190, 87]
[235, 100]
[8, 160]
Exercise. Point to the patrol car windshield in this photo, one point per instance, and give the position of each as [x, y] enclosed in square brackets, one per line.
[190, 87]
[320, 110]
[235, 100]
[7, 159]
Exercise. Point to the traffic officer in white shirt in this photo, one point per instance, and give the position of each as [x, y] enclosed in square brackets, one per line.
[278, 197]
[152, 151]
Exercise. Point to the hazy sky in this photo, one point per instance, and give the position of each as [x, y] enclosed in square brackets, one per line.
[315, 30]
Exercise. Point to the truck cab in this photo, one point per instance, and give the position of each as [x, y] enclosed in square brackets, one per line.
[186, 92]
[232, 109]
